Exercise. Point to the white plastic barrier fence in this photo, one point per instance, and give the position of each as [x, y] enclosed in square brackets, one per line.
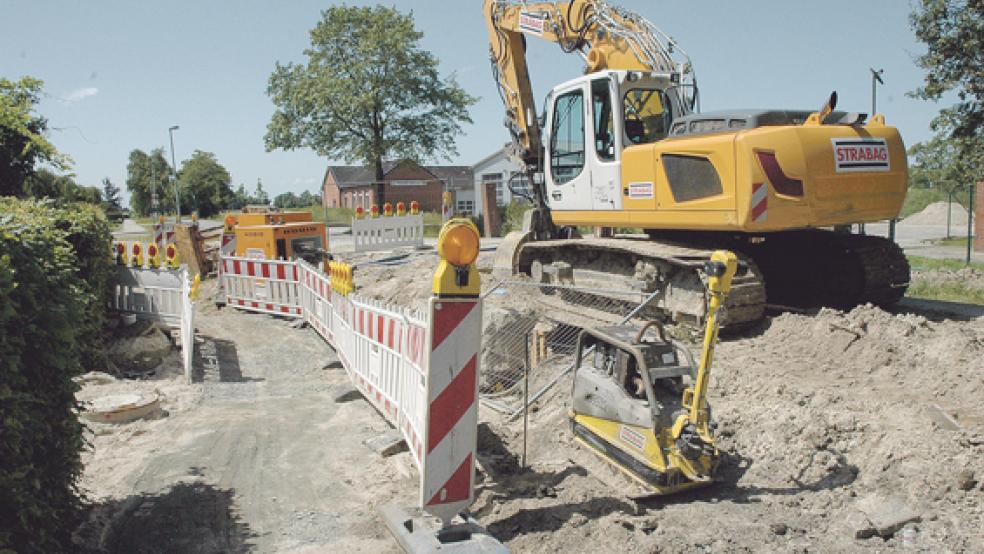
[269, 286]
[158, 295]
[385, 232]
[419, 370]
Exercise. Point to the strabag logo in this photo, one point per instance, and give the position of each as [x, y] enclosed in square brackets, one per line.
[531, 22]
[640, 190]
[860, 154]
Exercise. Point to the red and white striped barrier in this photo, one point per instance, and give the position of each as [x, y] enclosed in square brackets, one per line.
[419, 370]
[163, 234]
[269, 286]
[227, 249]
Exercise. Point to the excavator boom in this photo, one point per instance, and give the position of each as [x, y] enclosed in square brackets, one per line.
[604, 36]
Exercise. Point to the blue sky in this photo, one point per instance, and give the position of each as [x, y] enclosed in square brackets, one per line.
[118, 73]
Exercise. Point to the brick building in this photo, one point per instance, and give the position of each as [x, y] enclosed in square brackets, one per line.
[347, 186]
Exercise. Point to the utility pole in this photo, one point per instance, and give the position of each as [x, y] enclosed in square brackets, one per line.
[876, 79]
[174, 169]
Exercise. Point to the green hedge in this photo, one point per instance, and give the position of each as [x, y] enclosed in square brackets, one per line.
[54, 270]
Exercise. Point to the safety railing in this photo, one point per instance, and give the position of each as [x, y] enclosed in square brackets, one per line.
[384, 233]
[420, 370]
[158, 294]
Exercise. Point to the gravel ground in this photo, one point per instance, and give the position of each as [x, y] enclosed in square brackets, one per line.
[826, 419]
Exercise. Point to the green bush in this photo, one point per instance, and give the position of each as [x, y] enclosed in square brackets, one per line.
[54, 268]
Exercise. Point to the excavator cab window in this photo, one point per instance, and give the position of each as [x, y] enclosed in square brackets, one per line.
[567, 137]
[647, 115]
[601, 107]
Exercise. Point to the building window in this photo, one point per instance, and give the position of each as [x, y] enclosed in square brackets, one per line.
[408, 183]
[466, 206]
[495, 178]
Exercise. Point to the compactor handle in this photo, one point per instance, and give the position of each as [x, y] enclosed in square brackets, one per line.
[659, 329]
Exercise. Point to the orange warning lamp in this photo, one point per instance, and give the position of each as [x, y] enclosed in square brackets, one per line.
[359, 212]
[121, 257]
[230, 223]
[414, 207]
[388, 209]
[458, 244]
[374, 210]
[401, 208]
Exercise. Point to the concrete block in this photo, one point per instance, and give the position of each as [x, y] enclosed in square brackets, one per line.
[887, 513]
[418, 533]
[387, 444]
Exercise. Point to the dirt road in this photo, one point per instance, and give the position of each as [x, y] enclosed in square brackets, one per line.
[258, 457]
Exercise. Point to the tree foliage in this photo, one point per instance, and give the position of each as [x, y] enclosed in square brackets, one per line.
[22, 135]
[52, 329]
[205, 185]
[953, 31]
[148, 173]
[289, 200]
[368, 92]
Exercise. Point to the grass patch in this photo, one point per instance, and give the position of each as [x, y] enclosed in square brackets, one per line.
[919, 262]
[950, 292]
[953, 241]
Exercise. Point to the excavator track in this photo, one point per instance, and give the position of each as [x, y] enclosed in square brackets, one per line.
[822, 268]
[794, 269]
[645, 265]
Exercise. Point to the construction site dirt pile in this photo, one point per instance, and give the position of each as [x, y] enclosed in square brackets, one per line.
[936, 214]
[833, 424]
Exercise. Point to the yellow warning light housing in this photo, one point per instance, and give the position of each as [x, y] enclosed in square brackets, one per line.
[160, 219]
[122, 258]
[153, 256]
[171, 256]
[137, 258]
[458, 246]
[230, 223]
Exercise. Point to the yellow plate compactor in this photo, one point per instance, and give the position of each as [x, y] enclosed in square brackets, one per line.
[641, 403]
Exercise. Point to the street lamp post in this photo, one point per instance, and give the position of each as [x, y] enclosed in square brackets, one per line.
[174, 168]
[876, 80]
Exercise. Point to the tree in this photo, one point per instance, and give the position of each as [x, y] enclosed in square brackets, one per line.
[367, 93]
[44, 183]
[260, 197]
[111, 194]
[204, 184]
[286, 200]
[240, 198]
[953, 31]
[933, 164]
[22, 135]
[147, 174]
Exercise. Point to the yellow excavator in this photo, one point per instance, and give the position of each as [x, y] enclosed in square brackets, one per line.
[624, 146]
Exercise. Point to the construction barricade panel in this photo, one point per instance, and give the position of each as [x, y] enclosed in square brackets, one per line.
[418, 369]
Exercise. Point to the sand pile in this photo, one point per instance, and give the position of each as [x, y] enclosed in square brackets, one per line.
[831, 423]
[936, 214]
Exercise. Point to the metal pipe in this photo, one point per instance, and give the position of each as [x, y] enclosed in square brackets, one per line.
[174, 169]
[970, 222]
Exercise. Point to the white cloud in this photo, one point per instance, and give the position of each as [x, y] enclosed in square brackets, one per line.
[80, 94]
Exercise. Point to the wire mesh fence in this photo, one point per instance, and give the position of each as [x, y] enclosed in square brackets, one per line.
[534, 327]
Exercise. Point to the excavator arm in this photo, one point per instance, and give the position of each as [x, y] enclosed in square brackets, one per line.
[604, 36]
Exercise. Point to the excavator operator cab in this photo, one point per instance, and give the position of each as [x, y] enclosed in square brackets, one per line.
[623, 375]
[591, 120]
